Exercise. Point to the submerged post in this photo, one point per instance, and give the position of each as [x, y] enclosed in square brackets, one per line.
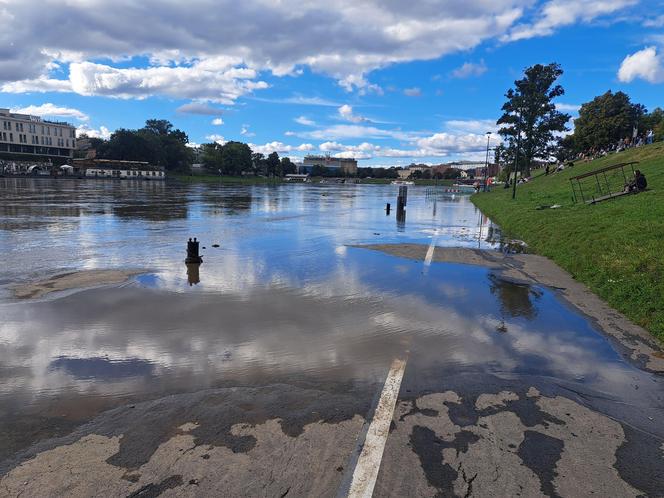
[192, 252]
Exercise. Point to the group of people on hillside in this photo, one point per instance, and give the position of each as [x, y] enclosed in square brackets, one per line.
[622, 144]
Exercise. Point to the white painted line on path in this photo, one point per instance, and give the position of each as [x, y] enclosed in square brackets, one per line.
[368, 463]
[429, 256]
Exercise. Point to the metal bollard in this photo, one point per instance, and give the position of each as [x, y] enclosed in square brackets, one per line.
[192, 252]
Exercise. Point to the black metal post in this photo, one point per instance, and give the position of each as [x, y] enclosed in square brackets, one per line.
[193, 256]
[486, 163]
[516, 157]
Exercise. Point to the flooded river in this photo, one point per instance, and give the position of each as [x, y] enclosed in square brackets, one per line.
[286, 297]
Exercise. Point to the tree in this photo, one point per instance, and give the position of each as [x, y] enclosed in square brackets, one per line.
[211, 158]
[235, 158]
[128, 145]
[287, 166]
[605, 120]
[258, 163]
[157, 143]
[451, 173]
[319, 170]
[273, 164]
[530, 112]
[158, 126]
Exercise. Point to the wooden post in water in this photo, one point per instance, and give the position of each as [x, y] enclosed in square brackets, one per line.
[192, 252]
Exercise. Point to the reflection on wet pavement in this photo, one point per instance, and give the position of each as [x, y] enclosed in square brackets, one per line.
[284, 298]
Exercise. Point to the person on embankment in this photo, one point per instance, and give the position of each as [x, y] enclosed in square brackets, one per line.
[639, 184]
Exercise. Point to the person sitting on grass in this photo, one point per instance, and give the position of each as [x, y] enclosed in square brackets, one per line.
[639, 183]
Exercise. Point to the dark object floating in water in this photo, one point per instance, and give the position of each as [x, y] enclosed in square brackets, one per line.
[501, 328]
[215, 245]
[376, 233]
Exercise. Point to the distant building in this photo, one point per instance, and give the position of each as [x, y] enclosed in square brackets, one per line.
[25, 135]
[344, 166]
[111, 168]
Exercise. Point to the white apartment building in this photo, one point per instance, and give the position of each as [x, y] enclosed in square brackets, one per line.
[25, 135]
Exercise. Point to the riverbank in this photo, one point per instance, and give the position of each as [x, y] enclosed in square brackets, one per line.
[261, 180]
[613, 247]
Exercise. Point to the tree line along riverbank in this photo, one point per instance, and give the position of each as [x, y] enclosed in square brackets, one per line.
[615, 247]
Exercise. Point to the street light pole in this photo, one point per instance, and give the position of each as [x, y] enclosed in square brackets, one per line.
[516, 157]
[486, 163]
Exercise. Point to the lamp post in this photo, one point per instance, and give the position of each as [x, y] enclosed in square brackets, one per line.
[486, 163]
[516, 157]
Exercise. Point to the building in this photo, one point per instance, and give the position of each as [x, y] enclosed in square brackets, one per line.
[112, 168]
[22, 135]
[343, 166]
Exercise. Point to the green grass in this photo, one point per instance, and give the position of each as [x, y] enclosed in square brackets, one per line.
[615, 247]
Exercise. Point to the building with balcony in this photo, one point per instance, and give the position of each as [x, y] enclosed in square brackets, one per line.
[31, 137]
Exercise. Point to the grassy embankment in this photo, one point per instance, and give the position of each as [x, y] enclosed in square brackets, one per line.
[615, 247]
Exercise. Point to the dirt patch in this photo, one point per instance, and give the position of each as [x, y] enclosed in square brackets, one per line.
[637, 343]
[74, 280]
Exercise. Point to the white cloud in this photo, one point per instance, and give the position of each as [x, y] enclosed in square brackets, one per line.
[469, 69]
[445, 143]
[216, 138]
[346, 131]
[216, 79]
[305, 121]
[300, 100]
[559, 13]
[657, 22]
[477, 126]
[101, 132]
[646, 64]
[413, 92]
[280, 148]
[567, 107]
[346, 113]
[346, 40]
[52, 110]
[244, 131]
[199, 108]
[217, 122]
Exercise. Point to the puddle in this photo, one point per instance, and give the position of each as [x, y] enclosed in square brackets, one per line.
[284, 298]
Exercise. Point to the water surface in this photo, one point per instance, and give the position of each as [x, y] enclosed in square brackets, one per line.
[283, 298]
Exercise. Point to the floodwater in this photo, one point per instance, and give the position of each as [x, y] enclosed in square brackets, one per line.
[286, 297]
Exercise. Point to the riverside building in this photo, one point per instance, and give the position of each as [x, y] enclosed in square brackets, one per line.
[25, 137]
[343, 166]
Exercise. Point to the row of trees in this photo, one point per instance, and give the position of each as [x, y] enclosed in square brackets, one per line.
[237, 158]
[532, 127]
[609, 119]
[157, 143]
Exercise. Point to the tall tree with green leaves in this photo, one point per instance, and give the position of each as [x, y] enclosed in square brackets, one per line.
[273, 164]
[531, 113]
[605, 120]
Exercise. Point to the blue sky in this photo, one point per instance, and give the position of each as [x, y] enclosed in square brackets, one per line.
[388, 82]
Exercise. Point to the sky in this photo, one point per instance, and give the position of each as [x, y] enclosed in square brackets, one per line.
[387, 82]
